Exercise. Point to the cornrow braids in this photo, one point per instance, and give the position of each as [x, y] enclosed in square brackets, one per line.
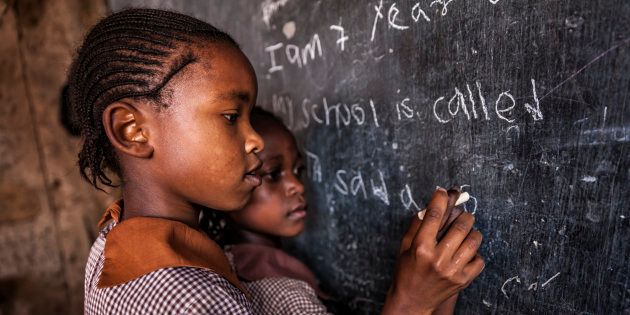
[129, 54]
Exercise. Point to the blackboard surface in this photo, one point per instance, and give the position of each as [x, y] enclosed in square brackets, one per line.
[526, 103]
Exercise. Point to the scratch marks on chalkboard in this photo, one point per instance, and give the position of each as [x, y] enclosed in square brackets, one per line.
[625, 41]
[604, 135]
[579, 121]
[269, 8]
[515, 130]
[574, 21]
[594, 212]
[486, 303]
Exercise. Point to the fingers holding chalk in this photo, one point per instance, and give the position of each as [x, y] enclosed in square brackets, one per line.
[463, 197]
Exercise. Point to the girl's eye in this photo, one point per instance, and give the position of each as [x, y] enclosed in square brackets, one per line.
[273, 175]
[299, 171]
[231, 118]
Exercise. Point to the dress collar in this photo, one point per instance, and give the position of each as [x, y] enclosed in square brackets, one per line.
[141, 245]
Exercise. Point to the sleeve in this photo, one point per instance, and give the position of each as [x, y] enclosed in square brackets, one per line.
[284, 296]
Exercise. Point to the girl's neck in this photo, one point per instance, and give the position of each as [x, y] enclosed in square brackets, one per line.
[242, 236]
[143, 201]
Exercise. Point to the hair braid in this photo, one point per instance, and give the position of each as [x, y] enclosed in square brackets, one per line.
[132, 53]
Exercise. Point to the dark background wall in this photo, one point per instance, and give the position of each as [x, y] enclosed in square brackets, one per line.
[524, 102]
[48, 214]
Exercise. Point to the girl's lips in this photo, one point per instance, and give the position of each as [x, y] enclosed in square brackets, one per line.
[297, 213]
[253, 179]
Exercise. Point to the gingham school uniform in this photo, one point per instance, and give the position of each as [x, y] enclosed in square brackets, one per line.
[175, 290]
[279, 283]
[284, 296]
[182, 281]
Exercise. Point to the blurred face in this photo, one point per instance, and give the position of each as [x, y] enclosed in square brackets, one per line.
[206, 152]
[278, 206]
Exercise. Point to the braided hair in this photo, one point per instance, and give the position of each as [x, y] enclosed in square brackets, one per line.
[129, 54]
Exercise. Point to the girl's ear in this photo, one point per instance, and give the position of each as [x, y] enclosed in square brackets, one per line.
[127, 128]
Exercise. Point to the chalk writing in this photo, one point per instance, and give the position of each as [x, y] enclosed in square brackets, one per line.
[468, 103]
[399, 20]
[532, 286]
[357, 185]
[314, 166]
[406, 198]
[379, 15]
[380, 190]
[284, 105]
[269, 7]
[295, 55]
[444, 111]
[324, 113]
[342, 35]
[442, 4]
[550, 279]
[515, 278]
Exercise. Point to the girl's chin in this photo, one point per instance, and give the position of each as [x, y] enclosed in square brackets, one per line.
[296, 230]
[237, 204]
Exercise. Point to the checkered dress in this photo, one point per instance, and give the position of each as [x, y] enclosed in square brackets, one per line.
[187, 290]
[284, 296]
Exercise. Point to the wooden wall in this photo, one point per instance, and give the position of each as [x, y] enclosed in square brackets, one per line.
[48, 213]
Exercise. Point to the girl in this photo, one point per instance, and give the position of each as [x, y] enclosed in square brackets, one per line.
[153, 90]
[278, 210]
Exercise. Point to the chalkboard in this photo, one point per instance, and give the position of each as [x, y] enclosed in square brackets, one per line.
[524, 103]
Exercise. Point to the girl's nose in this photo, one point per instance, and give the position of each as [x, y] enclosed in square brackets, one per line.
[254, 142]
[295, 185]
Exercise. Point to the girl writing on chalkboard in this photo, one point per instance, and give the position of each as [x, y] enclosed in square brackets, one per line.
[278, 209]
[163, 102]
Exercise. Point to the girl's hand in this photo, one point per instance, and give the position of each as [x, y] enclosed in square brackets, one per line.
[428, 272]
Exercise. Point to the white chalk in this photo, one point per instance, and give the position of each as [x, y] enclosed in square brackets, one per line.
[463, 197]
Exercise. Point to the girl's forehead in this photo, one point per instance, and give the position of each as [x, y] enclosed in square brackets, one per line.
[219, 72]
[278, 141]
[208, 54]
